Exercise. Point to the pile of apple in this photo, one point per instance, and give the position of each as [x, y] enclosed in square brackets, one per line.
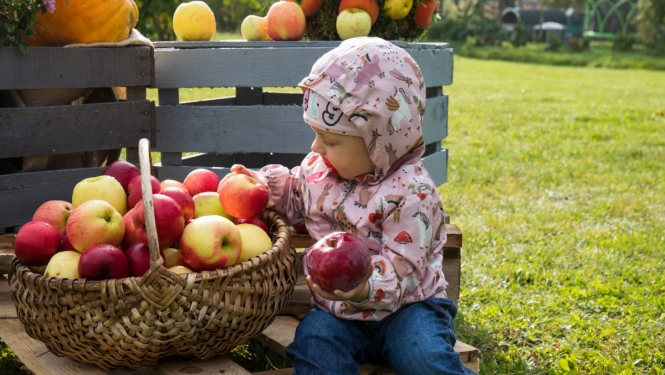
[202, 224]
[286, 19]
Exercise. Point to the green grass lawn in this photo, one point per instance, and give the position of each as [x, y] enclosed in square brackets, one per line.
[557, 181]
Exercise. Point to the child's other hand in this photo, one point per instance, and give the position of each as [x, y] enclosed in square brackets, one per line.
[358, 294]
[241, 169]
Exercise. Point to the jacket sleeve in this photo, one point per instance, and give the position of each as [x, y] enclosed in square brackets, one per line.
[409, 263]
[285, 191]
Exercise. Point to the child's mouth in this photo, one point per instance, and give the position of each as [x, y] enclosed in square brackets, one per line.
[330, 166]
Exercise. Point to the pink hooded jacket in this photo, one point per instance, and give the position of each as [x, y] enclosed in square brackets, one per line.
[396, 210]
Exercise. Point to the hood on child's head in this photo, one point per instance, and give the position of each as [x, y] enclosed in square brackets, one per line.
[381, 89]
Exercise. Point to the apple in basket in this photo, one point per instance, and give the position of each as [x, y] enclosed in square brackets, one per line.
[54, 212]
[183, 198]
[36, 242]
[172, 257]
[338, 261]
[135, 192]
[256, 221]
[207, 203]
[210, 242]
[255, 241]
[130, 237]
[242, 196]
[168, 218]
[64, 264]
[138, 258]
[101, 187]
[95, 222]
[173, 183]
[103, 261]
[201, 180]
[123, 171]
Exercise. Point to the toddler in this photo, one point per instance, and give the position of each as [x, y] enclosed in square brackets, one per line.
[365, 101]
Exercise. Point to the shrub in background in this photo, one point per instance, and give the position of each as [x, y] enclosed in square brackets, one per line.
[623, 42]
[520, 35]
[553, 43]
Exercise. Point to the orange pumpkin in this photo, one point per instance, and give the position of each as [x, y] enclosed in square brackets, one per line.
[85, 21]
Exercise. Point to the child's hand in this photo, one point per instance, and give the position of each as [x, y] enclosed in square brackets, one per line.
[359, 294]
[239, 168]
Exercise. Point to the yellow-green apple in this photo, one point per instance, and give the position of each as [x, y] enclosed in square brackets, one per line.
[37, 269]
[369, 6]
[54, 212]
[210, 242]
[254, 28]
[194, 21]
[135, 192]
[168, 218]
[130, 237]
[201, 180]
[172, 257]
[180, 269]
[310, 7]
[243, 196]
[64, 265]
[353, 22]
[397, 9]
[101, 187]
[65, 243]
[103, 261]
[138, 258]
[123, 171]
[425, 13]
[286, 21]
[183, 198]
[95, 222]
[173, 183]
[36, 242]
[256, 221]
[255, 241]
[338, 261]
[208, 203]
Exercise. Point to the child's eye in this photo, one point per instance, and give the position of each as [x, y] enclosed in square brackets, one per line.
[325, 143]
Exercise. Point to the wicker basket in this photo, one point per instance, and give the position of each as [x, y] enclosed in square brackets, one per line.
[133, 322]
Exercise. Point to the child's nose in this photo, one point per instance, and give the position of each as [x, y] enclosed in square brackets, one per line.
[316, 146]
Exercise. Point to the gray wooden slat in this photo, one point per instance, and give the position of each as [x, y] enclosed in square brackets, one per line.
[437, 165]
[277, 129]
[57, 67]
[239, 43]
[49, 130]
[22, 193]
[267, 67]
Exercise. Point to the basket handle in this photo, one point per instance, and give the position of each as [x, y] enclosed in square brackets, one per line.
[145, 165]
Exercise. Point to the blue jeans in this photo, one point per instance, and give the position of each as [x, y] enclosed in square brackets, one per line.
[417, 339]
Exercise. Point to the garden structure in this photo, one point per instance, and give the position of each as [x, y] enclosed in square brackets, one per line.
[255, 127]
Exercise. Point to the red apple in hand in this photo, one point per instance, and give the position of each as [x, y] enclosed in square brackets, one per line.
[95, 222]
[122, 171]
[135, 193]
[138, 258]
[201, 180]
[36, 243]
[242, 196]
[210, 242]
[338, 261]
[103, 261]
[256, 221]
[54, 212]
[183, 198]
[168, 219]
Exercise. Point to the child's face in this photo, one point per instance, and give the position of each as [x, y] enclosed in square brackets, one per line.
[347, 153]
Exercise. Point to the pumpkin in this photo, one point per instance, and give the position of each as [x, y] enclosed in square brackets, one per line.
[84, 22]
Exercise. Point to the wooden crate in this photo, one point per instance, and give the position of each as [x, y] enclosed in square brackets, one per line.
[257, 127]
[61, 129]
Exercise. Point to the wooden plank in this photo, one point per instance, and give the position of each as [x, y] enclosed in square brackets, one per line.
[228, 65]
[437, 166]
[22, 193]
[57, 67]
[7, 308]
[51, 130]
[189, 365]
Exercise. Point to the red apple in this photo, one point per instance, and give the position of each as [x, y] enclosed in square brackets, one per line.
[210, 242]
[201, 180]
[65, 243]
[168, 219]
[338, 261]
[300, 227]
[242, 196]
[36, 242]
[103, 261]
[173, 183]
[135, 193]
[54, 212]
[310, 7]
[183, 198]
[95, 222]
[425, 13]
[138, 258]
[130, 237]
[369, 6]
[172, 257]
[286, 21]
[256, 221]
[122, 171]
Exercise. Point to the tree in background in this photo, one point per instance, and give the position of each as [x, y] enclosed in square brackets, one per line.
[651, 21]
